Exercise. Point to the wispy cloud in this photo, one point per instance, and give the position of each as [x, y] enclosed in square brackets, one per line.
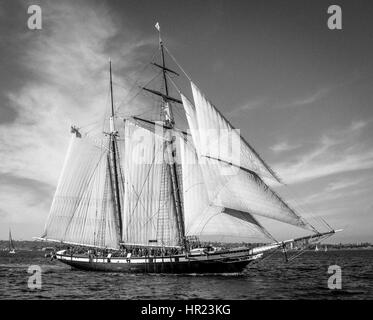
[268, 102]
[247, 106]
[336, 152]
[23, 200]
[340, 189]
[342, 184]
[69, 64]
[319, 94]
[308, 99]
[283, 146]
[298, 101]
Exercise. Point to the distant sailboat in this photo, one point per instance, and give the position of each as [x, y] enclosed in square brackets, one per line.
[326, 249]
[136, 204]
[12, 249]
[316, 248]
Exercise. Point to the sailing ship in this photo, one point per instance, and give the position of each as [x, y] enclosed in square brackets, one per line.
[136, 197]
[316, 248]
[326, 249]
[12, 249]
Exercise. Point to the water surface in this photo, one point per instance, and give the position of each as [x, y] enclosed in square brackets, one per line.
[304, 278]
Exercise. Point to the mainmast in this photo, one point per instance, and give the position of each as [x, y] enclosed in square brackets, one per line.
[169, 123]
[113, 141]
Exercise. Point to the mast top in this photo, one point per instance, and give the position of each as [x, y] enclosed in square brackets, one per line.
[168, 115]
[112, 127]
[111, 90]
[158, 27]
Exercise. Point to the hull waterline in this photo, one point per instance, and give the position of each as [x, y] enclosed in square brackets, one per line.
[218, 263]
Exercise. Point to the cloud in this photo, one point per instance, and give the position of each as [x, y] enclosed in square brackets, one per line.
[283, 146]
[336, 152]
[342, 184]
[337, 190]
[67, 64]
[247, 106]
[306, 100]
[68, 61]
[358, 125]
[319, 94]
[254, 104]
[23, 199]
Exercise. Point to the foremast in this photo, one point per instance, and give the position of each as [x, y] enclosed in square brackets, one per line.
[114, 162]
[169, 122]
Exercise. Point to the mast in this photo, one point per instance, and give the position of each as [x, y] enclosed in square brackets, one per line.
[169, 122]
[113, 137]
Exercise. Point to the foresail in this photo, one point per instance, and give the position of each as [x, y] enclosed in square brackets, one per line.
[219, 139]
[233, 176]
[203, 217]
[191, 116]
[82, 210]
[148, 205]
[249, 218]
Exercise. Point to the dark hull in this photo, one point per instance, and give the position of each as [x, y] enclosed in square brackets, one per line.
[173, 267]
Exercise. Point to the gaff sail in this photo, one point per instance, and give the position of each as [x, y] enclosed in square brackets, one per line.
[82, 210]
[149, 209]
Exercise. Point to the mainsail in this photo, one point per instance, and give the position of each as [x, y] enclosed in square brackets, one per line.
[148, 205]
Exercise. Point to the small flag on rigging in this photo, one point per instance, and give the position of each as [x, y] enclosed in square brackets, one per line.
[157, 26]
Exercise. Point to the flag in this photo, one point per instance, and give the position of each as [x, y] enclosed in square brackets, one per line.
[157, 26]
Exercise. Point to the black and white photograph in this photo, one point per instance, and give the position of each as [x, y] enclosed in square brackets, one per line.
[186, 150]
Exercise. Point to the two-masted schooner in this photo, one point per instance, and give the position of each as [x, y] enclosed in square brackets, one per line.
[136, 198]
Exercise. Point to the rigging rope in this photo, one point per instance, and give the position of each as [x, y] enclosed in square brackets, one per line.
[137, 94]
[85, 191]
[136, 84]
[305, 208]
[180, 67]
[142, 187]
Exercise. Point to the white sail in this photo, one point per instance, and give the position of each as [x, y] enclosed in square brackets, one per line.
[191, 116]
[203, 217]
[82, 210]
[219, 139]
[236, 182]
[148, 204]
[200, 217]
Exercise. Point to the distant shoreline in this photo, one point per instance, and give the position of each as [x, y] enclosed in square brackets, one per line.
[37, 246]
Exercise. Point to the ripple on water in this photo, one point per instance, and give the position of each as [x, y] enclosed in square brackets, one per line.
[304, 278]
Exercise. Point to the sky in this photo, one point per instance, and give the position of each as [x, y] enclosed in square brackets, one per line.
[300, 93]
